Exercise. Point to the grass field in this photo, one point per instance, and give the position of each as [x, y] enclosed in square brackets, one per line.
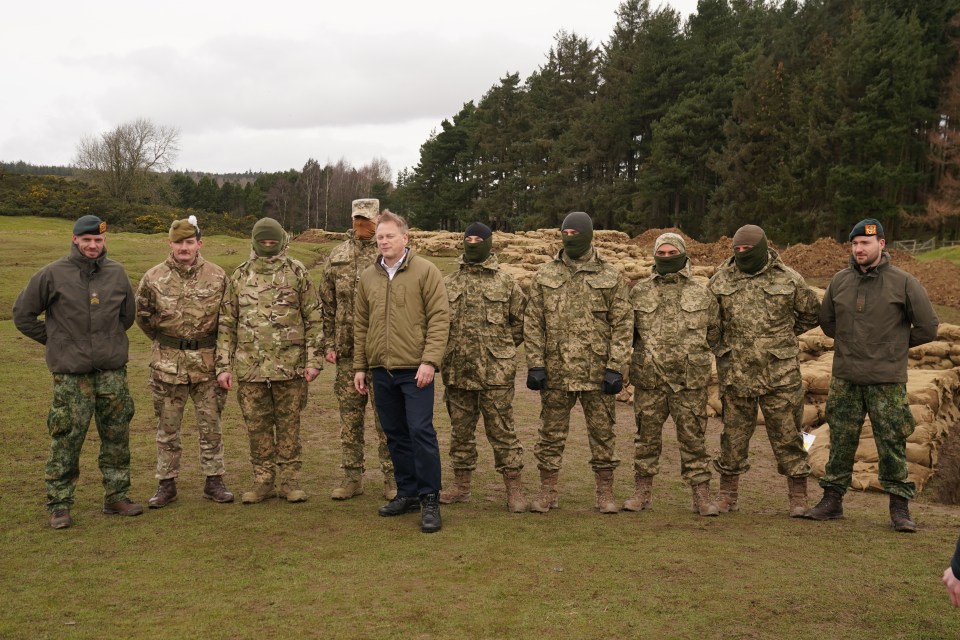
[325, 569]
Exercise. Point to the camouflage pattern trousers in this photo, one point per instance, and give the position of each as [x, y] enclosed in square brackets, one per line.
[600, 412]
[169, 402]
[352, 409]
[271, 411]
[782, 415]
[892, 424]
[689, 410]
[496, 404]
[77, 398]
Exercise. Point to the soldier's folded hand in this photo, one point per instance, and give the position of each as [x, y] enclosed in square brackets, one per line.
[537, 379]
[612, 382]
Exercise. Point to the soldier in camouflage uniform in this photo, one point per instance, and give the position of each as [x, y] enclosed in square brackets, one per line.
[270, 342]
[764, 306]
[337, 289]
[88, 305]
[178, 303]
[479, 367]
[577, 332]
[676, 323]
[874, 312]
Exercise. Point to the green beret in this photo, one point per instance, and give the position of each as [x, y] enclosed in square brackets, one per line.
[867, 227]
[91, 225]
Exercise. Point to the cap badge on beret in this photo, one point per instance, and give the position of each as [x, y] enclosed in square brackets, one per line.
[870, 230]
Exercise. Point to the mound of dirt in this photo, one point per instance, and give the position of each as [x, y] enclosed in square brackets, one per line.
[822, 259]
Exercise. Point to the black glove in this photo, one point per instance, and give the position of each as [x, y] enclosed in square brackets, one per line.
[537, 379]
[612, 382]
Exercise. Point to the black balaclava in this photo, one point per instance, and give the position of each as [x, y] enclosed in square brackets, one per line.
[479, 251]
[577, 246]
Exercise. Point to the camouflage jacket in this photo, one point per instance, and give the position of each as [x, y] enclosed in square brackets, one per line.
[676, 323]
[181, 302]
[578, 322]
[337, 289]
[761, 315]
[270, 324]
[486, 325]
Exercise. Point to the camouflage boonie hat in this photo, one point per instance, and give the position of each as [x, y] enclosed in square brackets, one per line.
[366, 207]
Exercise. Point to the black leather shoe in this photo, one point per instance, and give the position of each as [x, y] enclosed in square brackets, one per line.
[400, 505]
[430, 515]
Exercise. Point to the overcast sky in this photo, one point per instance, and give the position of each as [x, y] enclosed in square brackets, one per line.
[266, 85]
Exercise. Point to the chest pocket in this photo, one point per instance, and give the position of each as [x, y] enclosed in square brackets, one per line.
[779, 303]
[694, 309]
[497, 304]
[600, 289]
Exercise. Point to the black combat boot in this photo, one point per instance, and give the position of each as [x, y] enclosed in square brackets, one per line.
[400, 505]
[430, 513]
[830, 506]
[900, 515]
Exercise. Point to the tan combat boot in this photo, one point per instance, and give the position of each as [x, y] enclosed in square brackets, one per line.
[460, 491]
[351, 485]
[640, 500]
[516, 501]
[797, 490]
[547, 498]
[291, 492]
[605, 500]
[260, 492]
[727, 497]
[703, 503]
[389, 486]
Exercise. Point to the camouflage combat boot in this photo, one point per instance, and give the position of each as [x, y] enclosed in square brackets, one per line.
[727, 496]
[830, 506]
[605, 500]
[389, 487]
[260, 492]
[516, 501]
[900, 515]
[166, 493]
[797, 490]
[640, 500]
[351, 485]
[460, 491]
[703, 503]
[547, 498]
[214, 489]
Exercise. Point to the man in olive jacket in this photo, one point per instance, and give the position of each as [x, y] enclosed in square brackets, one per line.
[401, 325]
[874, 312]
[88, 305]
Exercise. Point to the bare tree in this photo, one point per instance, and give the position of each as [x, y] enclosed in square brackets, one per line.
[119, 161]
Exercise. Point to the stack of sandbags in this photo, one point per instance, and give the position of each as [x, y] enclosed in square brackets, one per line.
[814, 344]
[942, 354]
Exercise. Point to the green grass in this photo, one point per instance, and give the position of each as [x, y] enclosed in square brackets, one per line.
[329, 569]
[943, 253]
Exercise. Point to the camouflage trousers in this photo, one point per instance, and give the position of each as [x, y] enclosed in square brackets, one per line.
[271, 411]
[169, 403]
[352, 409]
[77, 398]
[496, 404]
[782, 416]
[892, 424]
[689, 410]
[600, 412]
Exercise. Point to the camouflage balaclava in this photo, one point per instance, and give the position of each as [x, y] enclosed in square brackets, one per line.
[754, 259]
[670, 264]
[577, 246]
[268, 229]
[475, 252]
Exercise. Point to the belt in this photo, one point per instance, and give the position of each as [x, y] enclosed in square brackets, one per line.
[204, 342]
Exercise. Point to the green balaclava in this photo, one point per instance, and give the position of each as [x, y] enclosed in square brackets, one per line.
[671, 264]
[268, 229]
[577, 246]
[476, 252]
[751, 260]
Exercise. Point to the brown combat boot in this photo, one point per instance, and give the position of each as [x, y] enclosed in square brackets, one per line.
[214, 489]
[727, 496]
[797, 490]
[703, 503]
[605, 500]
[830, 506]
[547, 498]
[460, 491]
[166, 493]
[260, 492]
[124, 507]
[900, 515]
[389, 486]
[60, 518]
[351, 485]
[516, 501]
[641, 498]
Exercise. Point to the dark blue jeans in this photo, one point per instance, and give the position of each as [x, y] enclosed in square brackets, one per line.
[406, 415]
